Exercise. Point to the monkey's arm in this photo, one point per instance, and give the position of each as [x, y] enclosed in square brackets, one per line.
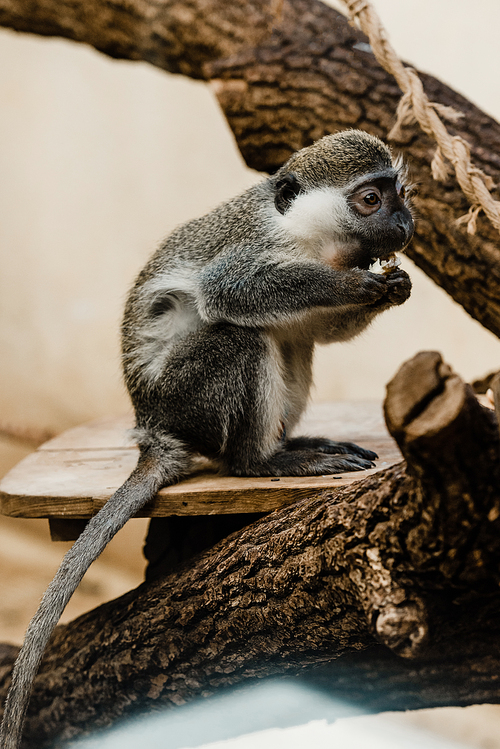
[347, 322]
[252, 291]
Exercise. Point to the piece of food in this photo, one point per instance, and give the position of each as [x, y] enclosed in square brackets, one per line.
[391, 263]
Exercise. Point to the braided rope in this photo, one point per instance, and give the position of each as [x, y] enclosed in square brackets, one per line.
[414, 106]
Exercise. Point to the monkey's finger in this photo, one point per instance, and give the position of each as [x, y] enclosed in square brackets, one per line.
[372, 287]
[352, 449]
[397, 276]
[344, 463]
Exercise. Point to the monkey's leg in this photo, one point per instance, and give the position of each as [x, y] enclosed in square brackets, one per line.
[223, 394]
[331, 447]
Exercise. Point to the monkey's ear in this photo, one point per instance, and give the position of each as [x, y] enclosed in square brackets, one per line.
[287, 190]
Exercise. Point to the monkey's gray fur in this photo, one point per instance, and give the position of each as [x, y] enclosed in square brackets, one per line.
[218, 338]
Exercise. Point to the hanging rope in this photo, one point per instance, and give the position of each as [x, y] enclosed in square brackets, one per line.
[414, 106]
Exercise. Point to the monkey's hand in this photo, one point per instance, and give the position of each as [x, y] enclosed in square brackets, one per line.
[365, 287]
[377, 290]
[398, 287]
[384, 290]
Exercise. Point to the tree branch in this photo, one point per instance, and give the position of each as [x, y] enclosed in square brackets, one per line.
[407, 558]
[176, 35]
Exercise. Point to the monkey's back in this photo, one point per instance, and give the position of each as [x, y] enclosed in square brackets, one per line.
[162, 306]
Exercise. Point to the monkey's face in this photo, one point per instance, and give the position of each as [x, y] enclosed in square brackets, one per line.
[350, 226]
[382, 220]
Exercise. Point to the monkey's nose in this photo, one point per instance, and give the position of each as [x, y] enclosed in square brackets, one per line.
[406, 228]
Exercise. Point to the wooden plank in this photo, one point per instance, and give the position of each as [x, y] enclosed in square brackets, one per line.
[107, 433]
[74, 474]
[342, 420]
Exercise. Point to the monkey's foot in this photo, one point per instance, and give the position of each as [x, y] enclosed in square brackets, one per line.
[331, 447]
[306, 462]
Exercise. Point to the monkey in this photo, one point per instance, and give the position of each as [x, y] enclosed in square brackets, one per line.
[218, 337]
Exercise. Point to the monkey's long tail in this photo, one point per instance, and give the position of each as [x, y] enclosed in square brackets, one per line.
[158, 466]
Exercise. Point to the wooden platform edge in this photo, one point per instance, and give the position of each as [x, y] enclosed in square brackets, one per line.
[222, 502]
[70, 478]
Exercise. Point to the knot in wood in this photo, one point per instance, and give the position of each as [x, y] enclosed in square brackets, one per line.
[403, 628]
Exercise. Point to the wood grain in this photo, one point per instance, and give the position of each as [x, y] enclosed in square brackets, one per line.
[74, 474]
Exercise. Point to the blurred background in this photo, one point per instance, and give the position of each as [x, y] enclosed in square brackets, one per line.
[100, 159]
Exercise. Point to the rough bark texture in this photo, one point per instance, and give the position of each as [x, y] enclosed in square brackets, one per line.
[177, 35]
[284, 77]
[407, 558]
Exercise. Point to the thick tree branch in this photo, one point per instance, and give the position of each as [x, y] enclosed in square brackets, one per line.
[176, 35]
[286, 78]
[408, 558]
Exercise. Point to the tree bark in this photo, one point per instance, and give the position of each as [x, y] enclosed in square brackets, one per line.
[408, 558]
[285, 77]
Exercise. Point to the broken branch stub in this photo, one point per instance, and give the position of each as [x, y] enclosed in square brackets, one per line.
[451, 445]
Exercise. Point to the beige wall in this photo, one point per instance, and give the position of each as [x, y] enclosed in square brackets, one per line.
[99, 160]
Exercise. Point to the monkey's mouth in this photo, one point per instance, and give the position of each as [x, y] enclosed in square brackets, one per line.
[356, 257]
[387, 264]
[383, 253]
[386, 258]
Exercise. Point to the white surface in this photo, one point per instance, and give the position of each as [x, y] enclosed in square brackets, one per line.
[269, 704]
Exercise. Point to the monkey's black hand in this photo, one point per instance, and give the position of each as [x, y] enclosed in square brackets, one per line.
[331, 447]
[398, 287]
[368, 287]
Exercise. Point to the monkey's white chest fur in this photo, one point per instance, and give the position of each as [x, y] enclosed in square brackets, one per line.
[313, 224]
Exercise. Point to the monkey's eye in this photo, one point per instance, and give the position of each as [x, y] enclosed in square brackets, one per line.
[367, 200]
[401, 191]
[371, 199]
